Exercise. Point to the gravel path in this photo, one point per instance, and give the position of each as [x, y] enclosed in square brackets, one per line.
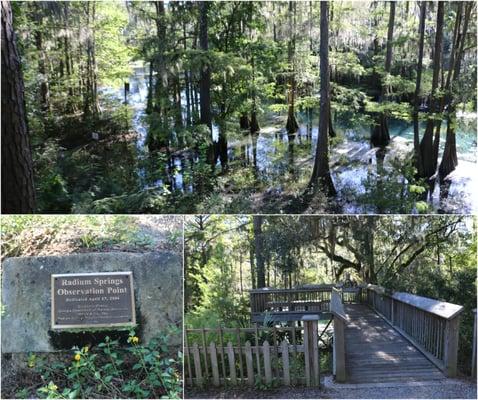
[446, 389]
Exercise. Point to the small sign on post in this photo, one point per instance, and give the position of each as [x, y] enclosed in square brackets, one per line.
[89, 300]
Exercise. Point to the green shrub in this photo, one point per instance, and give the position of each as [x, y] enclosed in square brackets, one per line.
[109, 370]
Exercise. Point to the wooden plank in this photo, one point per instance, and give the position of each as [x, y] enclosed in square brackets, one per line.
[197, 365]
[189, 379]
[431, 357]
[249, 363]
[221, 349]
[267, 362]
[315, 354]
[241, 367]
[232, 363]
[276, 353]
[307, 355]
[204, 348]
[214, 364]
[258, 357]
[285, 363]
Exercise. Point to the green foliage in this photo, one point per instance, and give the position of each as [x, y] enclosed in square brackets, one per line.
[104, 371]
[52, 191]
[394, 190]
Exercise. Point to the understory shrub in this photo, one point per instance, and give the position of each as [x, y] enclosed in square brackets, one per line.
[110, 370]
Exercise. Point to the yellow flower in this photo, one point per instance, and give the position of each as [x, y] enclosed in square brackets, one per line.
[135, 339]
[77, 357]
[85, 349]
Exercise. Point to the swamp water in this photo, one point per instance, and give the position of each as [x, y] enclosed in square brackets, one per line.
[278, 161]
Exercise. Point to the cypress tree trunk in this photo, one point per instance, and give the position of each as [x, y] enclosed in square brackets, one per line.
[450, 158]
[149, 101]
[205, 82]
[18, 194]
[254, 125]
[244, 122]
[161, 84]
[331, 125]
[291, 125]
[321, 171]
[380, 134]
[445, 87]
[416, 104]
[426, 145]
[186, 82]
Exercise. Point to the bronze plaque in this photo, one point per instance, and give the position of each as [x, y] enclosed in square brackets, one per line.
[101, 299]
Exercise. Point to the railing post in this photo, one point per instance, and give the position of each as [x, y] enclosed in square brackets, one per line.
[339, 350]
[311, 349]
[392, 312]
[451, 346]
[473, 355]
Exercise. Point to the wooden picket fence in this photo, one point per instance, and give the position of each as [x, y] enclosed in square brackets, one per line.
[234, 356]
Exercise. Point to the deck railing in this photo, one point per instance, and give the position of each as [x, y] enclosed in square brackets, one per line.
[431, 325]
[300, 301]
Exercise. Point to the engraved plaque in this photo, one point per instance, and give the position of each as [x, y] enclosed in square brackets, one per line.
[101, 299]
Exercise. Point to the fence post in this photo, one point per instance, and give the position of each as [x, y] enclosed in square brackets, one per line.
[451, 346]
[473, 356]
[214, 365]
[311, 349]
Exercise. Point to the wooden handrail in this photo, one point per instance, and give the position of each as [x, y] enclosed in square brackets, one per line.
[431, 325]
[440, 308]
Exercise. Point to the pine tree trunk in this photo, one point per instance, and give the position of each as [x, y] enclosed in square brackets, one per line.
[259, 250]
[18, 194]
[321, 171]
[90, 90]
[42, 70]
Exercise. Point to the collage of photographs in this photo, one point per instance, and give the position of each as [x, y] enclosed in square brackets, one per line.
[239, 199]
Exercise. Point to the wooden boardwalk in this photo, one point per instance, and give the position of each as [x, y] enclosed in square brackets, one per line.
[376, 352]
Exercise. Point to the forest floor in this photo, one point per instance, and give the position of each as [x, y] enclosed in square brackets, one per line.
[463, 388]
[57, 235]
